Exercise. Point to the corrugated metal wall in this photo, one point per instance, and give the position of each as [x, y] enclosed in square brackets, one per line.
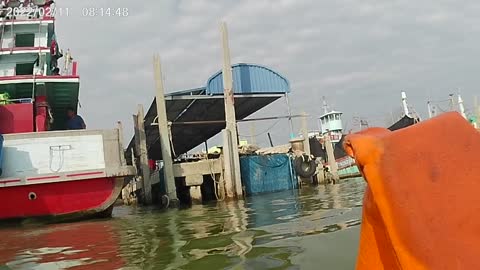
[250, 79]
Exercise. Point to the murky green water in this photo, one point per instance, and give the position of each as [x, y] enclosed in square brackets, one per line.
[314, 228]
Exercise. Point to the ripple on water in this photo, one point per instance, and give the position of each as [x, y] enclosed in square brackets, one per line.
[285, 230]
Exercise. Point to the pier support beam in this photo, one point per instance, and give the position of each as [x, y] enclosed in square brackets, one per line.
[306, 141]
[196, 194]
[141, 153]
[332, 163]
[164, 133]
[231, 156]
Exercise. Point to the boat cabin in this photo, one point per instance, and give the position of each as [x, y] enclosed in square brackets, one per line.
[331, 123]
[35, 90]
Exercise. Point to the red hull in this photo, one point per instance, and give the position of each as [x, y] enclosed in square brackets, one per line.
[88, 245]
[72, 198]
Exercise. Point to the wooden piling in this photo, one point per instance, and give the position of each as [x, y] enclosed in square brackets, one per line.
[164, 133]
[227, 164]
[231, 156]
[331, 156]
[143, 153]
[120, 138]
[136, 155]
[306, 141]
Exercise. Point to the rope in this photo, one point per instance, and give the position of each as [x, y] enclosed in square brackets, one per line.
[215, 182]
[62, 159]
[440, 108]
[261, 133]
[439, 101]
[167, 199]
[170, 139]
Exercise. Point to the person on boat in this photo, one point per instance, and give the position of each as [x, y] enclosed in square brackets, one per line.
[74, 121]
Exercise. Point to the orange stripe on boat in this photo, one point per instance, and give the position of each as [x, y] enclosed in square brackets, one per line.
[422, 198]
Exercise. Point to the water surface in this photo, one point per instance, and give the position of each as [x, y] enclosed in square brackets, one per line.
[311, 228]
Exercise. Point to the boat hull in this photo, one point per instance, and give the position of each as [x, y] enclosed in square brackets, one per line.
[61, 200]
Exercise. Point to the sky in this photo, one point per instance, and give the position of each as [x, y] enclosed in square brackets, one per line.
[360, 55]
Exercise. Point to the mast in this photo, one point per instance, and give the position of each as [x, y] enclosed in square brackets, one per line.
[461, 107]
[404, 104]
[325, 106]
[429, 110]
[451, 102]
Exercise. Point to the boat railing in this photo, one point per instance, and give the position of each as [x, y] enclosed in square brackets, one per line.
[7, 101]
[345, 162]
[62, 156]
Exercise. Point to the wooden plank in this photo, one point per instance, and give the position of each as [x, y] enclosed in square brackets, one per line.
[145, 169]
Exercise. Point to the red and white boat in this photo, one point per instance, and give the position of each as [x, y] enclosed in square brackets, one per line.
[48, 171]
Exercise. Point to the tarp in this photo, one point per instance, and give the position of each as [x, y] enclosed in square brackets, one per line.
[267, 173]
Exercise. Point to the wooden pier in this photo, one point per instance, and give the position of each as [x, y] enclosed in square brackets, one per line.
[178, 122]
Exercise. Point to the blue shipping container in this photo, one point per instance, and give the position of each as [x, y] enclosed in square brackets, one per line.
[270, 173]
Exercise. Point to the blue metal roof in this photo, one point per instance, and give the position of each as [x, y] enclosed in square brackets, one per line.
[250, 79]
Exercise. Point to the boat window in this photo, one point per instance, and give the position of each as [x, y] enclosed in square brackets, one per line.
[24, 69]
[25, 40]
[337, 117]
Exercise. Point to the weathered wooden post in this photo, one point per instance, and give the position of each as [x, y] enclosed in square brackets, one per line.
[164, 133]
[120, 138]
[143, 154]
[332, 163]
[136, 155]
[231, 157]
[306, 141]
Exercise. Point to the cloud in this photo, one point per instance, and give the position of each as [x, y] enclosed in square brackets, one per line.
[359, 54]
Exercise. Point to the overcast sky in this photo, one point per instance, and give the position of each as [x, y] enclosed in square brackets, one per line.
[359, 54]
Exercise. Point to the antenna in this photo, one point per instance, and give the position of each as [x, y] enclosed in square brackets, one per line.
[325, 106]
[404, 103]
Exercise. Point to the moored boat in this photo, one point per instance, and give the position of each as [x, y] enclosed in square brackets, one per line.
[47, 170]
[331, 125]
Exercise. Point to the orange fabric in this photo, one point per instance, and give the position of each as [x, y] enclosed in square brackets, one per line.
[422, 201]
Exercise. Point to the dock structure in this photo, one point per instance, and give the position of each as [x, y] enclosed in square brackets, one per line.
[196, 115]
[140, 150]
[178, 122]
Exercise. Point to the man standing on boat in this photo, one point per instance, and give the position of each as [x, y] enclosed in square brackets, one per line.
[74, 121]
